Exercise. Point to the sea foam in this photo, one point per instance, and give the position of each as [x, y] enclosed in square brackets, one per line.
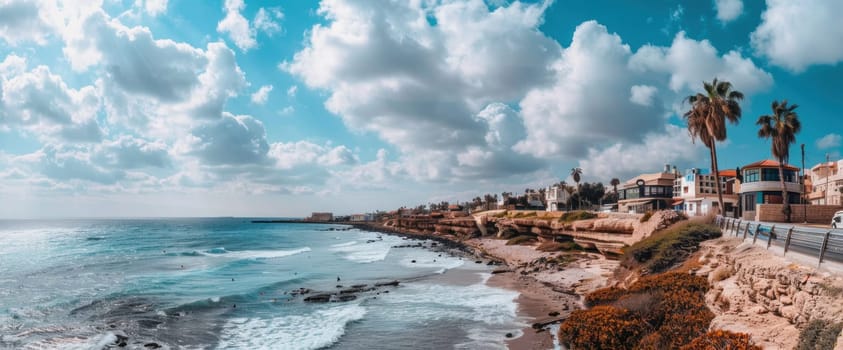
[315, 330]
[248, 254]
[365, 252]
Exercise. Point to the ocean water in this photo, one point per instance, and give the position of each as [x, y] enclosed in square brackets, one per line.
[227, 283]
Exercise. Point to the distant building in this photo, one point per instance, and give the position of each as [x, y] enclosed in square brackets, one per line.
[556, 197]
[827, 183]
[321, 217]
[362, 217]
[694, 193]
[647, 192]
[761, 185]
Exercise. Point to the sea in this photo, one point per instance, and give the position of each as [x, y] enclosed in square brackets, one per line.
[228, 283]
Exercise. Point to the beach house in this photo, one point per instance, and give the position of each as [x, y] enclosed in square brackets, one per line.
[556, 197]
[647, 192]
[694, 193]
[761, 185]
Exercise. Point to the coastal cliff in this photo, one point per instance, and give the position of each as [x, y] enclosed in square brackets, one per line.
[770, 297]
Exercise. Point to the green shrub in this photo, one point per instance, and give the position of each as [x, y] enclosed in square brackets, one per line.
[521, 240]
[572, 216]
[646, 217]
[665, 249]
[819, 335]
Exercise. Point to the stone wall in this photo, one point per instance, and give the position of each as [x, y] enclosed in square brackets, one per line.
[817, 214]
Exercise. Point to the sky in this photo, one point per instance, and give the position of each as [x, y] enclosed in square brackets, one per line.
[151, 108]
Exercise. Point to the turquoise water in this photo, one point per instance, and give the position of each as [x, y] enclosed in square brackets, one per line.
[227, 283]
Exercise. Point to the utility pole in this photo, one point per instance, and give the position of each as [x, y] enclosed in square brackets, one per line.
[827, 175]
[804, 200]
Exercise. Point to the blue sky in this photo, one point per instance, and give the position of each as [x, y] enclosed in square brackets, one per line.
[266, 108]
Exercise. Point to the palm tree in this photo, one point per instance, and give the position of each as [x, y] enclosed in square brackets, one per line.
[576, 173]
[781, 127]
[707, 120]
[615, 182]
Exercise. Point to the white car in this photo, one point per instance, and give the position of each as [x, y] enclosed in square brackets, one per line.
[837, 220]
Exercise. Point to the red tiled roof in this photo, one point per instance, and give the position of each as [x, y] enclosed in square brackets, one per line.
[768, 164]
[728, 173]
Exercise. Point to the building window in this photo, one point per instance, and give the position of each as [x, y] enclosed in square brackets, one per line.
[751, 175]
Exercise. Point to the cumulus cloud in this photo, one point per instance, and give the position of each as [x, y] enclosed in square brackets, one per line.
[22, 21]
[627, 159]
[265, 20]
[829, 141]
[41, 103]
[152, 7]
[728, 10]
[238, 28]
[294, 154]
[642, 94]
[129, 152]
[163, 86]
[563, 119]
[236, 25]
[262, 95]
[689, 62]
[420, 86]
[231, 140]
[797, 34]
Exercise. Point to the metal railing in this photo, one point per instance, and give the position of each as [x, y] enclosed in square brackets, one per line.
[824, 243]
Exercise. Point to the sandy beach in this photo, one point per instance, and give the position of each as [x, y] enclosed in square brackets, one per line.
[543, 290]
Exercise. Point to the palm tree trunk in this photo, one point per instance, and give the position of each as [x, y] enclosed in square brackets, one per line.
[785, 201]
[716, 172]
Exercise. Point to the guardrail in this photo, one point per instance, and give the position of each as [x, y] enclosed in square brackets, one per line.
[824, 243]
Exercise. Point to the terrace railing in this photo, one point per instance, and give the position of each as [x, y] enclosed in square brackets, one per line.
[826, 244]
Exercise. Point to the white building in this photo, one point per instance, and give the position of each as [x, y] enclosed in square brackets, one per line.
[694, 193]
[556, 197]
[827, 183]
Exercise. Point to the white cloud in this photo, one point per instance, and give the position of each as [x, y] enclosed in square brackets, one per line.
[129, 152]
[238, 28]
[728, 10]
[23, 20]
[797, 34]
[829, 141]
[231, 140]
[236, 25]
[689, 62]
[152, 7]
[42, 103]
[564, 118]
[265, 20]
[625, 160]
[292, 90]
[164, 87]
[287, 110]
[262, 95]
[419, 86]
[642, 94]
[295, 154]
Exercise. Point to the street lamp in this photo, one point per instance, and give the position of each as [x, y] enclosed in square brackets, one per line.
[804, 200]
